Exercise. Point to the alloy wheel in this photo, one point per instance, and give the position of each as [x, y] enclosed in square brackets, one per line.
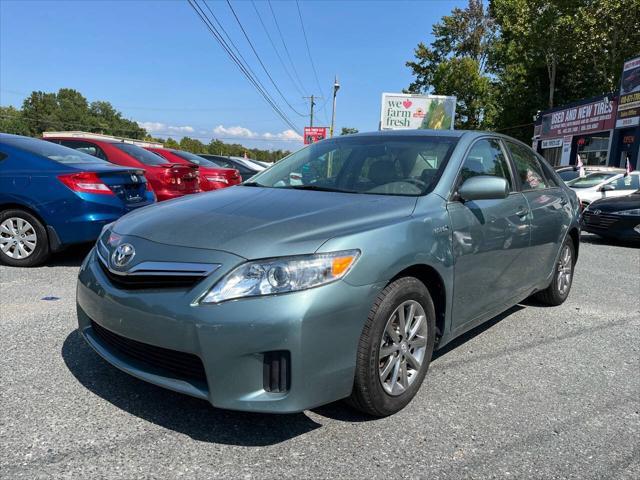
[403, 347]
[18, 238]
[565, 270]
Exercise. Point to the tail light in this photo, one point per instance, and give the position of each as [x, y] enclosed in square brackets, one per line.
[85, 182]
[217, 178]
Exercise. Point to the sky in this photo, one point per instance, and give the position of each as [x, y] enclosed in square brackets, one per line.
[157, 63]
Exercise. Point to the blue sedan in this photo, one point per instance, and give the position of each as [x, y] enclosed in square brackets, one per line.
[53, 196]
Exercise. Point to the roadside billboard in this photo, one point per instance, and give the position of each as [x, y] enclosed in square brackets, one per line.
[629, 103]
[402, 111]
[314, 134]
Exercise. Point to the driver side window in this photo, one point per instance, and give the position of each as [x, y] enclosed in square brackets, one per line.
[486, 158]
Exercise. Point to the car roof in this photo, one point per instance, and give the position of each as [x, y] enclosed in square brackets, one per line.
[414, 133]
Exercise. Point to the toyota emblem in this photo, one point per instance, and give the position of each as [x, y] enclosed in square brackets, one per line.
[122, 255]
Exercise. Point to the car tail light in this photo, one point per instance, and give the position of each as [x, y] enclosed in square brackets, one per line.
[217, 178]
[85, 182]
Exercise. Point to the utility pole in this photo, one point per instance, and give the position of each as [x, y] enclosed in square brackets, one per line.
[313, 98]
[336, 87]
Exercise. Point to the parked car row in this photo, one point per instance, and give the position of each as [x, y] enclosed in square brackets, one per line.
[609, 198]
[63, 191]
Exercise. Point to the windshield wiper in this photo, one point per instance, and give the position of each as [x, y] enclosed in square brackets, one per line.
[252, 184]
[319, 188]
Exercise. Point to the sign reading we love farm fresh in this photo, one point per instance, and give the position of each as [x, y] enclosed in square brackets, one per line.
[407, 111]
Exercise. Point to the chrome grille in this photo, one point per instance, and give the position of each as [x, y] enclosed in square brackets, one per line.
[154, 274]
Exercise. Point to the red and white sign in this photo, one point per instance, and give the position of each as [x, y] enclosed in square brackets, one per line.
[591, 117]
[314, 134]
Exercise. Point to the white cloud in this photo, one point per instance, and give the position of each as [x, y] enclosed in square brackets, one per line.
[242, 132]
[163, 128]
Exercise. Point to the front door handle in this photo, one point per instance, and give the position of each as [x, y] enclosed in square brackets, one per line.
[522, 212]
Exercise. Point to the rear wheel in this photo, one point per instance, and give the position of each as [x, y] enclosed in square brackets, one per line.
[395, 348]
[558, 291]
[23, 239]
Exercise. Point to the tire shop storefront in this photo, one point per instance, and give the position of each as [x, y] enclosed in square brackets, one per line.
[626, 142]
[603, 130]
[584, 128]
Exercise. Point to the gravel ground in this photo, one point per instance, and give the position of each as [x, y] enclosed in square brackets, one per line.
[534, 393]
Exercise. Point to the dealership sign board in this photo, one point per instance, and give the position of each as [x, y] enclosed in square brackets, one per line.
[629, 103]
[408, 111]
[590, 117]
[314, 134]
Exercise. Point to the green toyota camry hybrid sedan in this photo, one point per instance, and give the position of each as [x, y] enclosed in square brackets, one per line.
[332, 275]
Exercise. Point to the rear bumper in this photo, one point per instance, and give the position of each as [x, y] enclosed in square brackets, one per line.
[170, 194]
[318, 328]
[81, 220]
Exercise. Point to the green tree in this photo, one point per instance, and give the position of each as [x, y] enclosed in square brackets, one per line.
[348, 130]
[41, 112]
[192, 145]
[171, 143]
[555, 52]
[12, 121]
[456, 63]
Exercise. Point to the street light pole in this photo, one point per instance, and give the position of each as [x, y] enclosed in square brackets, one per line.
[336, 87]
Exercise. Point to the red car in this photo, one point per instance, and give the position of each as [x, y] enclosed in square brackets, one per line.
[168, 179]
[212, 176]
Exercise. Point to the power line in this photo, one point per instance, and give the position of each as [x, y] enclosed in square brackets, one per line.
[286, 50]
[284, 67]
[246, 36]
[313, 66]
[243, 68]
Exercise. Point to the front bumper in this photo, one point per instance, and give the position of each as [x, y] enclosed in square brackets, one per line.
[609, 225]
[320, 329]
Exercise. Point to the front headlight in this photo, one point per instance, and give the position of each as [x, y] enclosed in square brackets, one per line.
[281, 275]
[633, 212]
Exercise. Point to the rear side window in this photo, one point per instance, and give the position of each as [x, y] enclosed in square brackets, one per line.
[52, 151]
[85, 147]
[528, 168]
[486, 158]
[552, 177]
[140, 154]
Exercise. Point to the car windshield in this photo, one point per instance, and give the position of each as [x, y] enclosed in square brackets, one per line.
[591, 180]
[52, 151]
[140, 154]
[190, 157]
[376, 164]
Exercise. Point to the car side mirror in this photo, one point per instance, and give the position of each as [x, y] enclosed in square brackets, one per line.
[607, 188]
[484, 187]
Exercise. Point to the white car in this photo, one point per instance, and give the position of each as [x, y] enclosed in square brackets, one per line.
[597, 185]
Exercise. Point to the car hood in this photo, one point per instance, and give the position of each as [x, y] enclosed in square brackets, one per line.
[615, 204]
[255, 222]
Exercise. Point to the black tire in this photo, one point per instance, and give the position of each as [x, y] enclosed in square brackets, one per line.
[41, 251]
[368, 394]
[553, 295]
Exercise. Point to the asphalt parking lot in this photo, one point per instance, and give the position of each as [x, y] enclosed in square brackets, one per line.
[535, 393]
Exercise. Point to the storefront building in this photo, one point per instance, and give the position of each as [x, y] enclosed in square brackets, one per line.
[584, 128]
[603, 130]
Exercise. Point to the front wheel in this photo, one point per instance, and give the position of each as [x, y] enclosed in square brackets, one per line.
[558, 291]
[395, 348]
